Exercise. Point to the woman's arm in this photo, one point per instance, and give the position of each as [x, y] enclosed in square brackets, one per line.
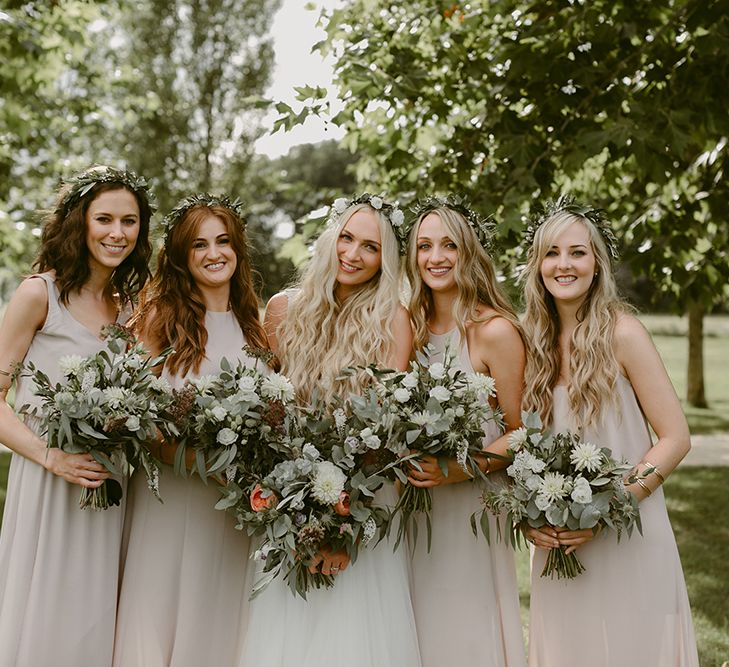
[501, 351]
[402, 332]
[636, 353]
[495, 346]
[24, 316]
[276, 309]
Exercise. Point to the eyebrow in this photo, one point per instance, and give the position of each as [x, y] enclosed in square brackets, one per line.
[442, 238]
[127, 215]
[202, 238]
[354, 236]
[574, 245]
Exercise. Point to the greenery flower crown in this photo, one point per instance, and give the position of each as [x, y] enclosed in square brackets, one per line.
[391, 211]
[202, 199]
[568, 204]
[483, 227]
[81, 185]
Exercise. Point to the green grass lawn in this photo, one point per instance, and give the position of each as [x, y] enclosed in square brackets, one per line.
[673, 350]
[669, 334]
[693, 496]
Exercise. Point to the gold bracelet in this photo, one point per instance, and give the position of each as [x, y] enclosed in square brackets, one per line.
[654, 469]
[644, 486]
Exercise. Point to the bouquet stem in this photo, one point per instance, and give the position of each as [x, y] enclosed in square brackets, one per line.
[304, 580]
[562, 565]
[415, 499]
[102, 497]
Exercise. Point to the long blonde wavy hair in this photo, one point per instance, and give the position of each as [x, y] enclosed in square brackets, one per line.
[474, 275]
[321, 335]
[593, 367]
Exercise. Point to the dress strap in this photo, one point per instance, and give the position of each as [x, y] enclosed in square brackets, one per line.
[54, 311]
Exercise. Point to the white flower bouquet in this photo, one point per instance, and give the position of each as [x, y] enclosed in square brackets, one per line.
[434, 409]
[233, 422]
[559, 480]
[317, 499]
[109, 405]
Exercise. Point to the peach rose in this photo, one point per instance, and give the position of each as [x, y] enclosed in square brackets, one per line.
[342, 505]
[262, 499]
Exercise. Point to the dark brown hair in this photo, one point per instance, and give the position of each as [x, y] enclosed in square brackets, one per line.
[64, 250]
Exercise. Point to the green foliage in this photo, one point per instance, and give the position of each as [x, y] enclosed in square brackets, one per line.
[283, 191]
[49, 86]
[620, 102]
[169, 88]
[197, 67]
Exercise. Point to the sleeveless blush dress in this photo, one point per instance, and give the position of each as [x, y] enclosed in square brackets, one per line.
[184, 594]
[630, 606]
[464, 591]
[59, 564]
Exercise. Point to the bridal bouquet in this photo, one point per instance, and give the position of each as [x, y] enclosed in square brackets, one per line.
[434, 409]
[233, 422]
[316, 500]
[560, 480]
[109, 405]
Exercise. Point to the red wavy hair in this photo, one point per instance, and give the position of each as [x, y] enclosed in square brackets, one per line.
[172, 309]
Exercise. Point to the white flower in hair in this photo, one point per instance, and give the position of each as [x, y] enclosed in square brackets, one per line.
[376, 202]
[340, 204]
[397, 217]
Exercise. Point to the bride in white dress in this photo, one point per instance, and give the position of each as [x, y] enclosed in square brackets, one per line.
[346, 312]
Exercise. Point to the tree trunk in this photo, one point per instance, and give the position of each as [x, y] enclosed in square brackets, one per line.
[695, 372]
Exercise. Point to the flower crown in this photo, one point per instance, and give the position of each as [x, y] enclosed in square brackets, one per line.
[202, 199]
[568, 204]
[391, 211]
[483, 227]
[81, 185]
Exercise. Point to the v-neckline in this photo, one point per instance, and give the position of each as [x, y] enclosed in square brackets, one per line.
[81, 324]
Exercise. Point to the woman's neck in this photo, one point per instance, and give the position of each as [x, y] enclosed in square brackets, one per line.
[217, 300]
[442, 319]
[97, 285]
